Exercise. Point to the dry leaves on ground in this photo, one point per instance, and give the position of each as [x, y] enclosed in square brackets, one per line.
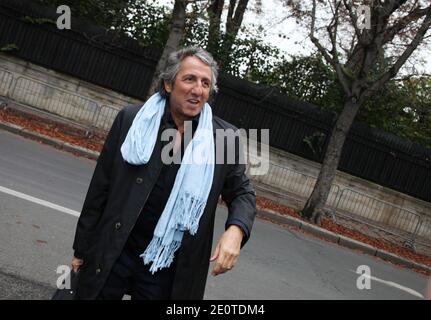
[328, 224]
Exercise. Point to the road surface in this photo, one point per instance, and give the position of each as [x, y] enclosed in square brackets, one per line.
[41, 193]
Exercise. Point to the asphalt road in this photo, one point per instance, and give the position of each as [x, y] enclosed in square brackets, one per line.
[41, 189]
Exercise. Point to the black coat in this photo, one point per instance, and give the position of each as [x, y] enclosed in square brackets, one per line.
[116, 196]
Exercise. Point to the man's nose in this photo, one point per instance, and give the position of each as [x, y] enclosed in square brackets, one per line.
[197, 89]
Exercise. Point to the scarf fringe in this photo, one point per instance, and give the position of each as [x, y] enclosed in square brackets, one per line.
[162, 255]
[189, 212]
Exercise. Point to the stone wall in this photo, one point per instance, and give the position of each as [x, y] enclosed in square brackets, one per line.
[66, 96]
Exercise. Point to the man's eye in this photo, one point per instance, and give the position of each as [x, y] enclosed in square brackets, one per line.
[206, 85]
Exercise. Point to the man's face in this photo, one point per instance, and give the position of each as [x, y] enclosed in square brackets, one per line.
[191, 88]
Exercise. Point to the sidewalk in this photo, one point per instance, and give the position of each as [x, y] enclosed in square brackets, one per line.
[266, 214]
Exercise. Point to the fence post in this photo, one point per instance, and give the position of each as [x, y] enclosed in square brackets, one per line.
[410, 242]
[89, 133]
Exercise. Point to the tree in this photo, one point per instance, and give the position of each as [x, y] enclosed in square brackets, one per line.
[220, 43]
[354, 50]
[176, 34]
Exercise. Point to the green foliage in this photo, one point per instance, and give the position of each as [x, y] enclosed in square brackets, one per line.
[9, 47]
[148, 23]
[402, 108]
[38, 21]
[305, 78]
[251, 58]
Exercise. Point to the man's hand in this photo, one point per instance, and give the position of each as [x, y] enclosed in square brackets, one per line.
[227, 250]
[76, 263]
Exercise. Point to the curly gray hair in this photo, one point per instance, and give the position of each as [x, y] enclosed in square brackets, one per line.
[174, 62]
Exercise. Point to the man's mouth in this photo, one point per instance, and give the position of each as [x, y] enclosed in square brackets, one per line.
[193, 101]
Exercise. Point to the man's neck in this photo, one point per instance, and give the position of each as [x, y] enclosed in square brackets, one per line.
[179, 121]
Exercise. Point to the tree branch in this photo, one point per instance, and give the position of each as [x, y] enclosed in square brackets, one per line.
[316, 42]
[353, 18]
[230, 13]
[404, 22]
[332, 32]
[333, 61]
[389, 6]
[379, 83]
[235, 16]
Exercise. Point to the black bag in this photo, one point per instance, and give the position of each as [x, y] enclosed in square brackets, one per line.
[67, 294]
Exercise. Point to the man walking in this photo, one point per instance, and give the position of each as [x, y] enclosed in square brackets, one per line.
[146, 226]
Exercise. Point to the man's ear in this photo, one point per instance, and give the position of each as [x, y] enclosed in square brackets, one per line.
[168, 86]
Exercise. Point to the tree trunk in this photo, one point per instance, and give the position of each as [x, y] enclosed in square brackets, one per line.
[317, 199]
[175, 35]
[214, 13]
[233, 23]
[220, 47]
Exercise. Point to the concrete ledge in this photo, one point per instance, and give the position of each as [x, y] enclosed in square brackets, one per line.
[291, 221]
[83, 151]
[354, 244]
[320, 232]
[419, 266]
[11, 127]
[393, 258]
[402, 261]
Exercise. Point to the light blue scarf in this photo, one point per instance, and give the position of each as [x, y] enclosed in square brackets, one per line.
[192, 184]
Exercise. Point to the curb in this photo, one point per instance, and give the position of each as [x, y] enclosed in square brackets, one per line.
[341, 240]
[49, 140]
[291, 221]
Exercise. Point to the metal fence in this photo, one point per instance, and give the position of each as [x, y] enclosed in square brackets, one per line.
[105, 117]
[411, 226]
[398, 225]
[6, 79]
[66, 104]
[295, 182]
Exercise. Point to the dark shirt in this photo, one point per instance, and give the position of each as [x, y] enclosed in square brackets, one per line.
[142, 233]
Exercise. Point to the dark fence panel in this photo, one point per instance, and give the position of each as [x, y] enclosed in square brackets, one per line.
[88, 53]
[85, 51]
[368, 153]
